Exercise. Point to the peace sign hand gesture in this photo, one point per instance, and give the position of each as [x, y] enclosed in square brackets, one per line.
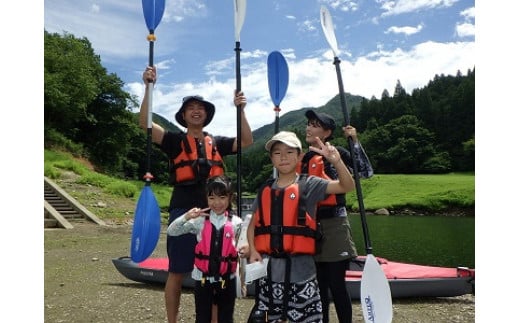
[327, 150]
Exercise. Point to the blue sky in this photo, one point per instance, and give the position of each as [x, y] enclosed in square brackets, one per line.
[380, 42]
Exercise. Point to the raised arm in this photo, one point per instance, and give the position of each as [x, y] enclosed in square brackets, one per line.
[246, 136]
[360, 157]
[345, 182]
[149, 77]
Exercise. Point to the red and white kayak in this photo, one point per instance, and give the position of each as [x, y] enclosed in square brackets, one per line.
[405, 280]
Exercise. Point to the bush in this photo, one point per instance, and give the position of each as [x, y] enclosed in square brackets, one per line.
[95, 179]
[438, 164]
[51, 172]
[56, 140]
[121, 188]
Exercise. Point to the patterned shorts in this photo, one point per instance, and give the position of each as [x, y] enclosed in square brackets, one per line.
[303, 306]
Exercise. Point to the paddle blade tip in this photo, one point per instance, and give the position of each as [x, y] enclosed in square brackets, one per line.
[240, 15]
[153, 11]
[376, 297]
[277, 76]
[147, 226]
[328, 29]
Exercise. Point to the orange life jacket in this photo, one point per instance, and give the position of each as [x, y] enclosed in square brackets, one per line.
[197, 161]
[282, 225]
[216, 253]
[313, 164]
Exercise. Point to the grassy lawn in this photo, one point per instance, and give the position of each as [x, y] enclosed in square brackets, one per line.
[428, 192]
[393, 192]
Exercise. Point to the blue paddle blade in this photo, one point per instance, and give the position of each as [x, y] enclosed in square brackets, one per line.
[147, 226]
[153, 11]
[277, 76]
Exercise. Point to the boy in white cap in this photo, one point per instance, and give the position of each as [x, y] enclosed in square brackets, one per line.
[283, 230]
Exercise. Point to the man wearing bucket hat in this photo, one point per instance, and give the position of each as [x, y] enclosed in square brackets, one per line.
[336, 245]
[194, 156]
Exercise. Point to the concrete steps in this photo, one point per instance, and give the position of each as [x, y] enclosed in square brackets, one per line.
[61, 209]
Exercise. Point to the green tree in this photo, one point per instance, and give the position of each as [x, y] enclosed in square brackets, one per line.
[70, 70]
[87, 105]
[401, 146]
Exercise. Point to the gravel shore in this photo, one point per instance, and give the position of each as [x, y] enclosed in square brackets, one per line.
[82, 285]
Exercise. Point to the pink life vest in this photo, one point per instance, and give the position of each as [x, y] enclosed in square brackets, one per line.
[216, 253]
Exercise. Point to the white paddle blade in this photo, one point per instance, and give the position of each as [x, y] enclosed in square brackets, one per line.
[376, 298]
[240, 15]
[239, 279]
[241, 288]
[328, 29]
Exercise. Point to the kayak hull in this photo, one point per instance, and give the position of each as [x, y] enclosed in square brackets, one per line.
[405, 280]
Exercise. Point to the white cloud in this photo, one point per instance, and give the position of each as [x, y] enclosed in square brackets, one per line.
[313, 82]
[306, 25]
[407, 30]
[465, 30]
[396, 7]
[342, 5]
[95, 8]
[468, 13]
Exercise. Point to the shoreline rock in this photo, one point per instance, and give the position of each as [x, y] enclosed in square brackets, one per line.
[457, 212]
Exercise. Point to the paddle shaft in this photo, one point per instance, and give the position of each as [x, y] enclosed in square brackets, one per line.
[359, 193]
[148, 176]
[277, 119]
[276, 130]
[239, 132]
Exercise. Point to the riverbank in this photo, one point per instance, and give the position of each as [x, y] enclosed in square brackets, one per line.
[82, 285]
[450, 211]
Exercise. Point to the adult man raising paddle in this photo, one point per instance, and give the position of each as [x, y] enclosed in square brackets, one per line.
[204, 155]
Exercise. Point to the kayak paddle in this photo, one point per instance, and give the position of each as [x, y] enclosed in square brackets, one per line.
[278, 80]
[375, 296]
[240, 14]
[147, 219]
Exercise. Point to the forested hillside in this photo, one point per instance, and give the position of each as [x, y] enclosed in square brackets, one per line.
[87, 112]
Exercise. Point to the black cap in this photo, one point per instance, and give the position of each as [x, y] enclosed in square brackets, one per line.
[210, 109]
[326, 121]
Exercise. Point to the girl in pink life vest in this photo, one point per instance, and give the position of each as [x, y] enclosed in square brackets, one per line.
[216, 254]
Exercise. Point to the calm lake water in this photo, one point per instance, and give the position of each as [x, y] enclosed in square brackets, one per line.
[427, 240]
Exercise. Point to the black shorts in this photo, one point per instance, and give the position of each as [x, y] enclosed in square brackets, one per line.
[181, 249]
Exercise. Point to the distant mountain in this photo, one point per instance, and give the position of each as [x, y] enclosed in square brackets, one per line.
[165, 123]
[296, 119]
[290, 120]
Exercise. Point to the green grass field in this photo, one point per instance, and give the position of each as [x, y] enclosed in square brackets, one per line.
[425, 192]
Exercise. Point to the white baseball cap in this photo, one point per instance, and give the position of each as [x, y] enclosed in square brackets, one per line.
[287, 137]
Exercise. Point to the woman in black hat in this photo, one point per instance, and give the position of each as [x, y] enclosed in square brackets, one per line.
[336, 245]
[194, 156]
